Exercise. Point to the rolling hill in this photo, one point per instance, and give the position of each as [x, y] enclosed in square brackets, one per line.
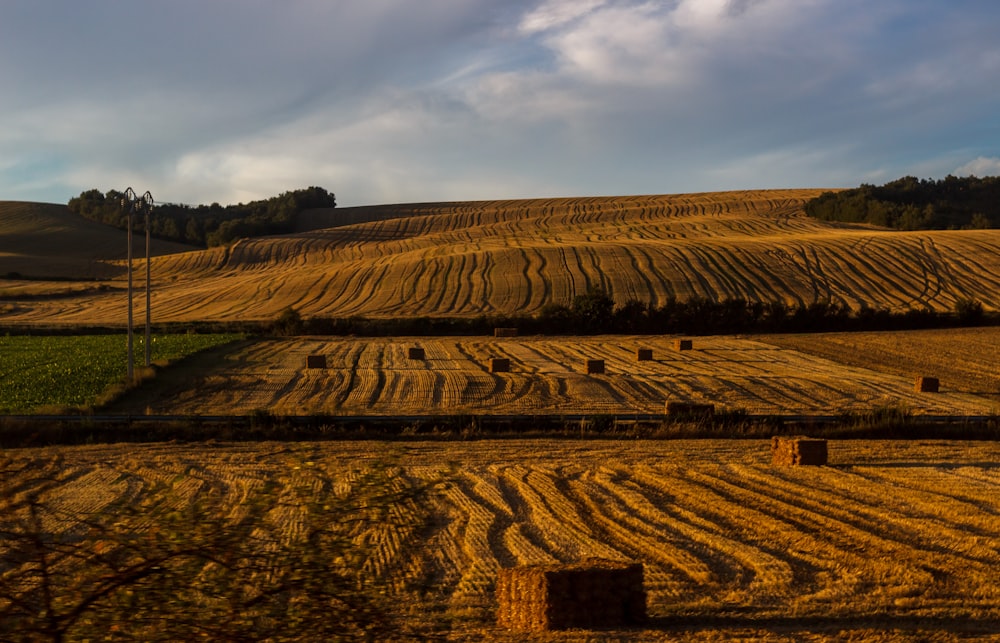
[47, 241]
[481, 257]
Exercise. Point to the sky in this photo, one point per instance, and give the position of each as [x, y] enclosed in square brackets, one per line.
[396, 101]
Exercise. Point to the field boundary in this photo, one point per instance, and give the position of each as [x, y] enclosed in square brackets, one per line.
[18, 431]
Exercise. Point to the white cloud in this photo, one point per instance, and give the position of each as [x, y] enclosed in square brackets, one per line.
[556, 13]
[980, 167]
[396, 100]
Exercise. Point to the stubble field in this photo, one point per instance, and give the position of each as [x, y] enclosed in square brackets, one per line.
[893, 541]
[484, 257]
[548, 375]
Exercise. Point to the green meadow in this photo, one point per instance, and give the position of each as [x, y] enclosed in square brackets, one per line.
[73, 372]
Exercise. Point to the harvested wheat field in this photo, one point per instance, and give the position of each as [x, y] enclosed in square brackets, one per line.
[547, 375]
[894, 541]
[965, 358]
[483, 257]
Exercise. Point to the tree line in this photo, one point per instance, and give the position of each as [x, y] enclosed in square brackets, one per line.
[595, 312]
[915, 204]
[207, 225]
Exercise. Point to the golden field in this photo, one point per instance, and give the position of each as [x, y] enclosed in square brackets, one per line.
[894, 541]
[765, 375]
[482, 257]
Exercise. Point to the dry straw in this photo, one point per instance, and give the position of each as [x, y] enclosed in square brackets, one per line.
[594, 593]
[799, 450]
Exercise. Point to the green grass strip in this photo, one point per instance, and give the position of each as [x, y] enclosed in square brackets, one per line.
[73, 371]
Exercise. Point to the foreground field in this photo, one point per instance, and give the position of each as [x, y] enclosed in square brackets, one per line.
[547, 376]
[483, 257]
[893, 541]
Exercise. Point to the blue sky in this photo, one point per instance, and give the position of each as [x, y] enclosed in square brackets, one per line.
[386, 101]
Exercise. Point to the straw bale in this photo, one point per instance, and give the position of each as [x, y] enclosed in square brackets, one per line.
[499, 365]
[690, 409]
[927, 385]
[595, 366]
[644, 355]
[316, 361]
[798, 451]
[415, 353]
[505, 332]
[684, 344]
[594, 593]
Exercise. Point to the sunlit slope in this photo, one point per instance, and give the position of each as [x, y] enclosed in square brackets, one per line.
[47, 240]
[516, 256]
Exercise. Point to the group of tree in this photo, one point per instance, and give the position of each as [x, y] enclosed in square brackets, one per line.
[595, 312]
[915, 204]
[207, 225]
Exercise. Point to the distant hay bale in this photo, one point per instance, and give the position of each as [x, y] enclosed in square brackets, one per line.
[927, 385]
[799, 450]
[593, 593]
[644, 354]
[316, 361]
[505, 332]
[595, 366]
[690, 409]
[416, 353]
[683, 344]
[499, 365]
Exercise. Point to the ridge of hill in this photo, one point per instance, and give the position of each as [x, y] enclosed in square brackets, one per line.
[47, 241]
[499, 257]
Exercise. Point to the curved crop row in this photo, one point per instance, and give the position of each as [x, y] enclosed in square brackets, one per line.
[486, 257]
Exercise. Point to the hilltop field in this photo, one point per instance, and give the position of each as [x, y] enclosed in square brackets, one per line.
[483, 257]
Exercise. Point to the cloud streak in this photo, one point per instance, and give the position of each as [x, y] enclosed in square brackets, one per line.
[389, 101]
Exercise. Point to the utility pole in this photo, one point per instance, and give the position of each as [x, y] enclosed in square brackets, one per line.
[131, 203]
[147, 207]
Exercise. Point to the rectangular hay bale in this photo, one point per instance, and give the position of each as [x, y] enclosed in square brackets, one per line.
[505, 332]
[927, 385]
[644, 354]
[594, 593]
[684, 345]
[415, 353]
[798, 451]
[316, 361]
[499, 365]
[595, 366]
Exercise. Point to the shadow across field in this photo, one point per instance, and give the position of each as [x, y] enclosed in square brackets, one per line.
[917, 465]
[791, 625]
